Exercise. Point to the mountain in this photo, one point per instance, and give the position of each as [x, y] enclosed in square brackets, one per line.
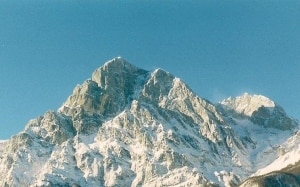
[126, 126]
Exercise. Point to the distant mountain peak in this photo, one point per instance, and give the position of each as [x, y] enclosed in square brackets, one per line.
[261, 110]
[248, 103]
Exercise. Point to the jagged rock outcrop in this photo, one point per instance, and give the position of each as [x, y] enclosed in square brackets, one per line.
[130, 127]
[2, 147]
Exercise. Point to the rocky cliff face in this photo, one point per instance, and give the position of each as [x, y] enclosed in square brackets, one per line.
[130, 127]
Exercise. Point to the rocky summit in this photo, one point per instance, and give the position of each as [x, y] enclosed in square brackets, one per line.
[126, 126]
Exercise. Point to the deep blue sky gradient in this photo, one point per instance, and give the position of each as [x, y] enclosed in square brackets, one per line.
[220, 48]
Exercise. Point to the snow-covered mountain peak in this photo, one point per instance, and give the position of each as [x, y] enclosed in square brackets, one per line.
[247, 103]
[130, 127]
[260, 110]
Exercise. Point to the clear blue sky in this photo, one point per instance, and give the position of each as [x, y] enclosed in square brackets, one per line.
[220, 48]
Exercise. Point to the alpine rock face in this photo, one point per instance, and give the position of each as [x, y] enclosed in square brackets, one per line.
[126, 126]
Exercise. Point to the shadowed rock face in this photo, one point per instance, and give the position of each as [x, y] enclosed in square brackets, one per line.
[118, 80]
[273, 117]
[129, 127]
[110, 89]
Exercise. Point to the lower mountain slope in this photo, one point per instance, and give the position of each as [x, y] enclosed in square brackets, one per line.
[283, 171]
[130, 127]
[282, 179]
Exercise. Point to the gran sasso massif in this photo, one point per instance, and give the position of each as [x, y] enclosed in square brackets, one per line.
[130, 127]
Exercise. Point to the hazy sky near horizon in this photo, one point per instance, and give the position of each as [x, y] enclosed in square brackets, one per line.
[220, 48]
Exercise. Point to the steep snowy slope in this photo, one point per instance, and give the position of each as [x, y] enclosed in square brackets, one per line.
[130, 127]
[289, 156]
[284, 171]
[286, 177]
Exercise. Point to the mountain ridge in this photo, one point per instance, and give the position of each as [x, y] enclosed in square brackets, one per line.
[133, 127]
